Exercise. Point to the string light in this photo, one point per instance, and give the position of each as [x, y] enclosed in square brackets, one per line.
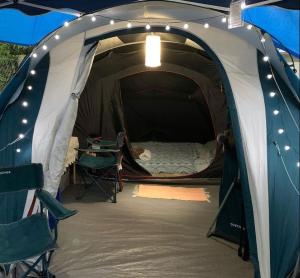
[93, 18]
[224, 20]
[56, 37]
[276, 112]
[32, 72]
[280, 130]
[287, 147]
[24, 121]
[298, 164]
[129, 25]
[25, 104]
[269, 76]
[186, 26]
[249, 26]
[21, 136]
[34, 55]
[272, 94]
[66, 24]
[266, 58]
[112, 22]
[148, 27]
[18, 150]
[206, 25]
[29, 88]
[168, 28]
[263, 39]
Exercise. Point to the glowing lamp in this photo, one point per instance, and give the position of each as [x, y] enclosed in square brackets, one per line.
[153, 51]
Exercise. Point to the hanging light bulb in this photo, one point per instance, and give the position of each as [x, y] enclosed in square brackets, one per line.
[57, 37]
[93, 18]
[148, 27]
[287, 147]
[24, 121]
[153, 51]
[34, 55]
[168, 28]
[21, 136]
[206, 25]
[112, 22]
[298, 164]
[280, 130]
[224, 20]
[249, 26]
[129, 25]
[276, 112]
[269, 76]
[272, 94]
[18, 150]
[29, 88]
[186, 26]
[25, 104]
[263, 39]
[32, 72]
[266, 58]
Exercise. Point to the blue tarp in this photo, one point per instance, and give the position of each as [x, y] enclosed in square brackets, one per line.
[18, 28]
[282, 24]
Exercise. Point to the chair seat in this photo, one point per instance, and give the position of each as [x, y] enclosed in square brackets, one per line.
[25, 239]
[97, 162]
[108, 143]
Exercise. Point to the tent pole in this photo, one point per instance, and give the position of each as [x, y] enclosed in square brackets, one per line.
[209, 233]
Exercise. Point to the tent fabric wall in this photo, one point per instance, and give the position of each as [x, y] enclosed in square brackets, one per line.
[284, 221]
[50, 142]
[241, 67]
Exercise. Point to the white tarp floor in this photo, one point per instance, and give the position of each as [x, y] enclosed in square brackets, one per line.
[143, 237]
[180, 158]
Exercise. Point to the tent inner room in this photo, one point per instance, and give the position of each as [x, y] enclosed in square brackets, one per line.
[171, 113]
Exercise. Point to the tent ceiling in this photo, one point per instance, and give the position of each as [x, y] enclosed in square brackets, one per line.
[114, 42]
[119, 58]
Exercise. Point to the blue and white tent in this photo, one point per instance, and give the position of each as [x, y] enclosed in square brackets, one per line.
[38, 107]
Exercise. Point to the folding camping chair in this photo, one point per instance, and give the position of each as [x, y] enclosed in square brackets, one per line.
[102, 156]
[30, 237]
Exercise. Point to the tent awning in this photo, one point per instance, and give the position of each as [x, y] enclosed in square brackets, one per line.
[27, 22]
[34, 7]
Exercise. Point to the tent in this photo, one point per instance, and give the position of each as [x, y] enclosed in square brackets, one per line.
[38, 107]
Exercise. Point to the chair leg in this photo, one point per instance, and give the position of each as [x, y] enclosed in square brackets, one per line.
[86, 184]
[32, 267]
[45, 271]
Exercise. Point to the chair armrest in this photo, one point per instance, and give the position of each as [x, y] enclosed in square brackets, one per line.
[54, 207]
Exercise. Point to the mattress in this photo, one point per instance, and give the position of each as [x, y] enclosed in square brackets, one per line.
[180, 158]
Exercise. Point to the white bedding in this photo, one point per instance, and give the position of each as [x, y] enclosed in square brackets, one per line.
[183, 158]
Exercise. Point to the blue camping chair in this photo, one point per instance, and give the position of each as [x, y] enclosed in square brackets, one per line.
[101, 161]
[30, 237]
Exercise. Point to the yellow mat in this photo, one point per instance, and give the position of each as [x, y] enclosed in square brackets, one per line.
[171, 193]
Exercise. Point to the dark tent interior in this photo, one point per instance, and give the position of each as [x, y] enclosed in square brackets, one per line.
[171, 114]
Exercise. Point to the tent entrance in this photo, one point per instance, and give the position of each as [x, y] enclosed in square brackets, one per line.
[168, 123]
[174, 112]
